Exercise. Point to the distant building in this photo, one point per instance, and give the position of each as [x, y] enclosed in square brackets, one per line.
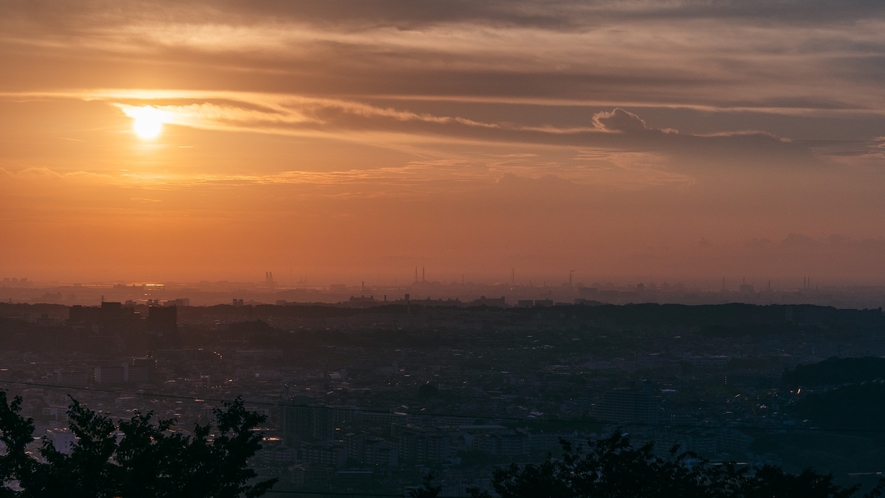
[111, 375]
[422, 444]
[499, 302]
[78, 314]
[587, 291]
[511, 444]
[62, 440]
[72, 379]
[277, 456]
[162, 320]
[142, 371]
[371, 450]
[382, 419]
[733, 441]
[139, 371]
[302, 421]
[630, 407]
[331, 453]
[378, 452]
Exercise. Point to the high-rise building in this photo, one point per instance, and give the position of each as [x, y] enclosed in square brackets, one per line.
[301, 420]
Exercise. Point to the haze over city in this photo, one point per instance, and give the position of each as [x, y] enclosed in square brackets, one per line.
[345, 141]
[442, 249]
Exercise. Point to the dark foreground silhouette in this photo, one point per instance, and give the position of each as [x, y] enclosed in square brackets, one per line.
[614, 468]
[135, 458]
[146, 457]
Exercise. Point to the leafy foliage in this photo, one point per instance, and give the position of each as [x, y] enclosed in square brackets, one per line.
[427, 489]
[136, 458]
[614, 468]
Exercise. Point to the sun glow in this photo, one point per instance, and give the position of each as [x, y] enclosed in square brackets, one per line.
[148, 122]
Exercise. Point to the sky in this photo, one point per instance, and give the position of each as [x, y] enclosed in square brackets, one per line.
[346, 140]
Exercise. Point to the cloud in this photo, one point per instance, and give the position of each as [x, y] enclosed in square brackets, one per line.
[256, 112]
[719, 55]
[355, 14]
[39, 174]
[35, 173]
[620, 120]
[561, 112]
[350, 120]
[443, 131]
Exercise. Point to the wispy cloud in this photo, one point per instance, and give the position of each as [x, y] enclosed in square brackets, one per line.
[362, 122]
[634, 123]
[773, 57]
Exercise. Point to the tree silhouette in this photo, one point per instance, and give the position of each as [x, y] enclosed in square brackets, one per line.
[613, 468]
[427, 489]
[150, 459]
[142, 457]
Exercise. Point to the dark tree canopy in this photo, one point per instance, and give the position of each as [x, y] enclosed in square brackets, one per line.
[427, 489]
[614, 468]
[143, 457]
[148, 460]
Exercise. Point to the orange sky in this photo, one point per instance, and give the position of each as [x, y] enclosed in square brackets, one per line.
[350, 140]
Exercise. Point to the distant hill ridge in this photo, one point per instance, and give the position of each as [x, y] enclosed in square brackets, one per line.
[836, 371]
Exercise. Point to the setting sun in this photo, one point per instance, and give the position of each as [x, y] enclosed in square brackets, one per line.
[510, 140]
[148, 122]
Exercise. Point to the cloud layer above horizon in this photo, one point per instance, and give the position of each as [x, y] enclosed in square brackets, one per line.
[353, 139]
